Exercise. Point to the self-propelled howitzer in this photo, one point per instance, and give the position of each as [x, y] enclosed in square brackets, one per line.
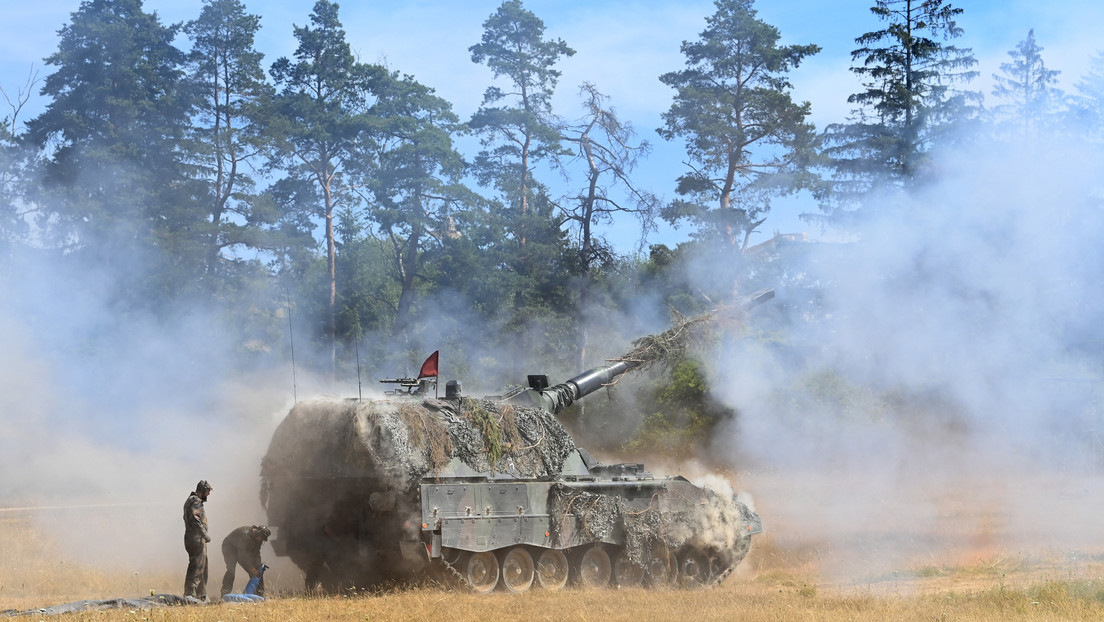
[491, 491]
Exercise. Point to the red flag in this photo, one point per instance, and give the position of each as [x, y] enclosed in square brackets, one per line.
[429, 367]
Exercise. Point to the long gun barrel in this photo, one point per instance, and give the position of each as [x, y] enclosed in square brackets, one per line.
[558, 397]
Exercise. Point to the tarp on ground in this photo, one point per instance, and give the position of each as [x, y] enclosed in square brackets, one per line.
[146, 602]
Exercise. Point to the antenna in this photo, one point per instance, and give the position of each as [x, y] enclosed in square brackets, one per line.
[291, 337]
[357, 343]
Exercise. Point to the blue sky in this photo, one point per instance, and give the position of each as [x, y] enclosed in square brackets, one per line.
[622, 46]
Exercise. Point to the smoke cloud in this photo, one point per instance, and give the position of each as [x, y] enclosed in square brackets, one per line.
[943, 402]
[108, 418]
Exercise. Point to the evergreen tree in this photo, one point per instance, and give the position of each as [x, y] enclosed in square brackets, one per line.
[412, 174]
[226, 69]
[319, 122]
[114, 175]
[1027, 86]
[516, 137]
[907, 105]
[1087, 105]
[746, 139]
[518, 130]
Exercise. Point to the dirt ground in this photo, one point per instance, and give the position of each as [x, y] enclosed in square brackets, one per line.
[933, 531]
[842, 533]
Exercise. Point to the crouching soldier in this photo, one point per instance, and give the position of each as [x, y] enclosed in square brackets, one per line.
[243, 546]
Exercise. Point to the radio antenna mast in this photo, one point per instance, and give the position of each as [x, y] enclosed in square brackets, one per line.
[357, 344]
[291, 338]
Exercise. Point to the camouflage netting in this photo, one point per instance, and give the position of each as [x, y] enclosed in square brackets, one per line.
[689, 333]
[500, 438]
[401, 440]
[671, 520]
[673, 344]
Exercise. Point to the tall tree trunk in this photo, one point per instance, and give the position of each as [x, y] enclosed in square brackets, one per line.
[331, 254]
[407, 259]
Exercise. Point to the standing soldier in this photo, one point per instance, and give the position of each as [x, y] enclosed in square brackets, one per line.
[243, 546]
[195, 541]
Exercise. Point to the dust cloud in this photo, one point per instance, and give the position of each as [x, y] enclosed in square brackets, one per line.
[942, 403]
[108, 419]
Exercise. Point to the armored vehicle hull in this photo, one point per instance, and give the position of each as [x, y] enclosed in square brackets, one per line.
[363, 492]
[492, 492]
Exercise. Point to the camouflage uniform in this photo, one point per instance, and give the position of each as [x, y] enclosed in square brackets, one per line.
[195, 543]
[243, 546]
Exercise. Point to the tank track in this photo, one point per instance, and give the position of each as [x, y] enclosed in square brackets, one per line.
[461, 580]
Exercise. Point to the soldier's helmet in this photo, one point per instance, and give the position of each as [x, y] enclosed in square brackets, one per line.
[203, 486]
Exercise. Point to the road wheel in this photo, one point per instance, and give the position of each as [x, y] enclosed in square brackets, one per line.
[481, 571]
[625, 572]
[517, 569]
[693, 568]
[661, 568]
[552, 569]
[594, 568]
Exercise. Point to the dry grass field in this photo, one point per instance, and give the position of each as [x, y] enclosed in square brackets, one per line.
[973, 558]
[773, 586]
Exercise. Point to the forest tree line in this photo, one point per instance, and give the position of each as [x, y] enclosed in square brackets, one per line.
[335, 189]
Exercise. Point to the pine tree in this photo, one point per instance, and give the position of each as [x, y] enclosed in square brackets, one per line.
[1027, 86]
[319, 123]
[114, 176]
[908, 105]
[1086, 114]
[413, 174]
[15, 159]
[226, 70]
[517, 126]
[746, 139]
[607, 153]
[518, 131]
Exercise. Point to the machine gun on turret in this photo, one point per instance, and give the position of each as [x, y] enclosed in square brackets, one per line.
[410, 386]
